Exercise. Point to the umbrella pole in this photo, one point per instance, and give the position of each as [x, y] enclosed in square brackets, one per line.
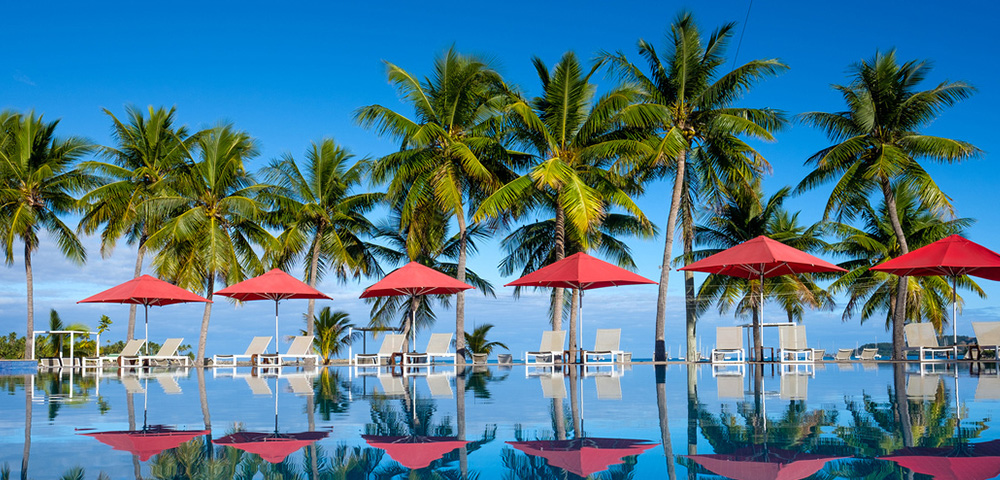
[275, 404]
[276, 348]
[579, 330]
[954, 312]
[145, 309]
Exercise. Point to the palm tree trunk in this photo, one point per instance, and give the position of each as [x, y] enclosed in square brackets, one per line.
[140, 254]
[899, 314]
[660, 349]
[409, 324]
[28, 386]
[574, 316]
[757, 354]
[29, 337]
[460, 296]
[557, 293]
[203, 336]
[313, 265]
[691, 326]
[661, 406]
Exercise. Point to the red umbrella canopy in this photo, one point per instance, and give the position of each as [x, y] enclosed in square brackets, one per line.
[754, 463]
[584, 456]
[145, 290]
[761, 257]
[415, 279]
[951, 256]
[978, 462]
[272, 447]
[414, 452]
[273, 285]
[580, 271]
[148, 442]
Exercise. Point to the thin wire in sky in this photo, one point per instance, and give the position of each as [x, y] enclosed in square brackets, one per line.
[740, 43]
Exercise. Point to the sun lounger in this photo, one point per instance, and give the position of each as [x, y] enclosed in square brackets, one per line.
[987, 337]
[257, 347]
[843, 355]
[300, 349]
[392, 343]
[606, 345]
[550, 348]
[819, 353]
[166, 354]
[868, 355]
[131, 350]
[792, 341]
[921, 337]
[438, 346]
[728, 342]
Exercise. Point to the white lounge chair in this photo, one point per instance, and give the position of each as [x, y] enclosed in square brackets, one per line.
[392, 343]
[300, 349]
[607, 346]
[987, 337]
[550, 348]
[257, 347]
[868, 355]
[921, 337]
[728, 341]
[843, 355]
[792, 345]
[167, 353]
[438, 346]
[131, 350]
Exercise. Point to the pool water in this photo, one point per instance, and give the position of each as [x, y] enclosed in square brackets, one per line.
[825, 421]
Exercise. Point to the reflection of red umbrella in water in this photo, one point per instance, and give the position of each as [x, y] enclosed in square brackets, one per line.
[953, 257]
[584, 456]
[761, 258]
[762, 463]
[146, 442]
[977, 461]
[414, 451]
[274, 285]
[146, 291]
[580, 271]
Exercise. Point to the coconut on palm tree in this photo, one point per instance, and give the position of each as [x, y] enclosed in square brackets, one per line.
[448, 153]
[878, 147]
[323, 218]
[214, 220]
[39, 178]
[690, 107]
[148, 153]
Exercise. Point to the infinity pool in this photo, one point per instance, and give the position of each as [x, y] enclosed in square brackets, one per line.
[829, 421]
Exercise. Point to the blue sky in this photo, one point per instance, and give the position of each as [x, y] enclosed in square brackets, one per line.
[293, 74]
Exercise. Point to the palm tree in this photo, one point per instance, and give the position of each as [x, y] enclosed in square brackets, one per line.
[575, 139]
[877, 147]
[745, 216]
[148, 153]
[214, 220]
[39, 180]
[449, 154]
[690, 107]
[477, 341]
[332, 333]
[870, 292]
[321, 216]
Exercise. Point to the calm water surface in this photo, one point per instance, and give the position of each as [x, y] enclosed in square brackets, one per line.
[831, 421]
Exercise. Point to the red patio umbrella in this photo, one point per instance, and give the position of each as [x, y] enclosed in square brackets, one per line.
[761, 258]
[762, 463]
[146, 442]
[272, 447]
[274, 285]
[414, 279]
[584, 456]
[580, 271]
[414, 451]
[977, 461]
[952, 256]
[146, 291]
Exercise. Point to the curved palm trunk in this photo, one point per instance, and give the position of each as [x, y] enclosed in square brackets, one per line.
[313, 265]
[140, 254]
[574, 317]
[460, 296]
[28, 386]
[557, 293]
[899, 314]
[690, 324]
[661, 407]
[660, 348]
[29, 337]
[757, 354]
[410, 321]
[203, 336]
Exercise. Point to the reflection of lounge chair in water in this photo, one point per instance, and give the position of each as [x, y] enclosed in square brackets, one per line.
[988, 387]
[553, 386]
[608, 387]
[794, 387]
[439, 386]
[392, 385]
[922, 387]
[132, 384]
[300, 384]
[258, 385]
[729, 386]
